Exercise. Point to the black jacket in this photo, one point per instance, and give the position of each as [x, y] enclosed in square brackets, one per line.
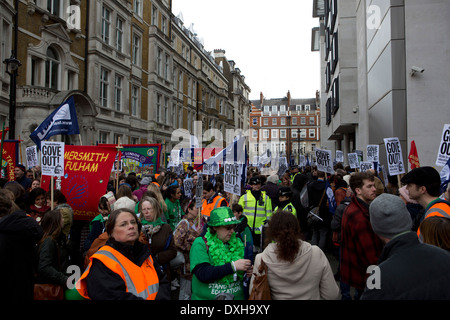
[316, 189]
[19, 235]
[104, 284]
[411, 270]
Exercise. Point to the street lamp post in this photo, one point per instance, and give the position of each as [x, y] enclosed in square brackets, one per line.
[12, 64]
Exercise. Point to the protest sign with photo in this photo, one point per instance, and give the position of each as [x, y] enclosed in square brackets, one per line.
[52, 158]
[444, 148]
[323, 160]
[394, 156]
[232, 178]
[353, 160]
[373, 153]
[32, 158]
[339, 156]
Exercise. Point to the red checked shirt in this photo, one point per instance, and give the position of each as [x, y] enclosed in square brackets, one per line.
[360, 246]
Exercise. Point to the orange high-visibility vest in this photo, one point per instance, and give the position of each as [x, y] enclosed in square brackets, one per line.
[141, 281]
[439, 209]
[208, 207]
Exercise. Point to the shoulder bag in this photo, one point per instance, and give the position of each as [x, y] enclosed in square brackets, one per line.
[261, 288]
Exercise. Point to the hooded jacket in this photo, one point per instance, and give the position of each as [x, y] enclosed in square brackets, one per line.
[308, 277]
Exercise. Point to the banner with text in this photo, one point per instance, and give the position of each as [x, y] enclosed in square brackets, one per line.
[444, 148]
[86, 175]
[9, 158]
[394, 156]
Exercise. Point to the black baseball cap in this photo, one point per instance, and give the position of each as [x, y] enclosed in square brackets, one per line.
[285, 191]
[424, 176]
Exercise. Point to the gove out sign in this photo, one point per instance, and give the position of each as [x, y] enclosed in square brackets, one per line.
[52, 158]
[444, 148]
[394, 156]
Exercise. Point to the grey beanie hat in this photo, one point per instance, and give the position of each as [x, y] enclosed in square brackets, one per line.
[389, 216]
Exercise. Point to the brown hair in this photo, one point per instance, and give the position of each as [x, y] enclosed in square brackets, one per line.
[51, 224]
[113, 217]
[435, 230]
[357, 179]
[284, 228]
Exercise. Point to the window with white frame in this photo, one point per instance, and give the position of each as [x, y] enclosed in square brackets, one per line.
[53, 6]
[104, 83]
[303, 133]
[135, 100]
[254, 133]
[274, 133]
[255, 121]
[283, 121]
[274, 121]
[312, 133]
[303, 120]
[118, 92]
[266, 134]
[136, 50]
[294, 121]
[163, 24]
[158, 107]
[266, 121]
[52, 69]
[138, 7]
[166, 67]
[166, 110]
[119, 34]
[154, 16]
[106, 24]
[311, 120]
[103, 137]
[294, 133]
[283, 133]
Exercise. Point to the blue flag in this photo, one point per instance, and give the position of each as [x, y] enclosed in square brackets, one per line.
[330, 195]
[61, 121]
[445, 176]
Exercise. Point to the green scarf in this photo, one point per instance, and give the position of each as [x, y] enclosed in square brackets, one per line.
[221, 254]
[158, 222]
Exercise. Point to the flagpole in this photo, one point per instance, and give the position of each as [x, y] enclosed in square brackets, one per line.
[20, 150]
[118, 164]
[79, 136]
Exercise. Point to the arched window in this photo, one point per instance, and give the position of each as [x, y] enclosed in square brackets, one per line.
[52, 69]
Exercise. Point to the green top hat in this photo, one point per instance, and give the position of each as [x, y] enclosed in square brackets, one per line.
[222, 216]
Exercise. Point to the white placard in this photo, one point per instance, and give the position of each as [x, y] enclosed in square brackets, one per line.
[52, 158]
[323, 160]
[188, 185]
[353, 160]
[339, 156]
[394, 156]
[366, 165]
[232, 178]
[32, 158]
[210, 169]
[373, 153]
[444, 148]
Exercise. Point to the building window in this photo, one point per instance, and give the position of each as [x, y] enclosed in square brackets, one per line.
[35, 62]
[274, 134]
[52, 69]
[266, 121]
[159, 61]
[166, 110]
[255, 121]
[312, 133]
[134, 100]
[311, 120]
[136, 50]
[138, 7]
[283, 121]
[106, 22]
[303, 133]
[104, 74]
[163, 24]
[283, 133]
[119, 34]
[166, 67]
[103, 137]
[266, 134]
[274, 121]
[158, 108]
[118, 93]
[294, 121]
[154, 16]
[254, 133]
[303, 120]
[53, 7]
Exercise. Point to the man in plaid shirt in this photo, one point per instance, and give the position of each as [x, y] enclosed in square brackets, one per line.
[360, 246]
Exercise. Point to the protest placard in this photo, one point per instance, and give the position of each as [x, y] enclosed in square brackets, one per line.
[373, 153]
[353, 160]
[323, 160]
[394, 156]
[188, 185]
[52, 158]
[444, 148]
[32, 158]
[199, 191]
[366, 165]
[232, 178]
[339, 156]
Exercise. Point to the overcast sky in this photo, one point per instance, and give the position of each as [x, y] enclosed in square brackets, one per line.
[270, 42]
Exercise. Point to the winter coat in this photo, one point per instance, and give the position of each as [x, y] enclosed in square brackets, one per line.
[19, 235]
[411, 270]
[271, 190]
[308, 277]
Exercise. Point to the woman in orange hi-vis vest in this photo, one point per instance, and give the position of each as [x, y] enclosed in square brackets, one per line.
[123, 269]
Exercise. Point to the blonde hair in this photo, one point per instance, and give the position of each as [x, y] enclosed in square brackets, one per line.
[153, 187]
[155, 205]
